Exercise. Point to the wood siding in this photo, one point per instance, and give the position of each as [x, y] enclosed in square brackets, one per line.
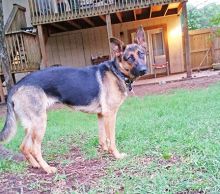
[76, 48]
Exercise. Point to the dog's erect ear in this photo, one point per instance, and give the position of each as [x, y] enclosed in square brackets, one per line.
[117, 47]
[140, 37]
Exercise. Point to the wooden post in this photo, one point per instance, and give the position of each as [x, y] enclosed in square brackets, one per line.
[186, 41]
[109, 31]
[213, 46]
[42, 41]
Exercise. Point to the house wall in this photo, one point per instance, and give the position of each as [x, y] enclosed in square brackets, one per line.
[8, 6]
[76, 48]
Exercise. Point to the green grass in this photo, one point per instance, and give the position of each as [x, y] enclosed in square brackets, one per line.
[181, 124]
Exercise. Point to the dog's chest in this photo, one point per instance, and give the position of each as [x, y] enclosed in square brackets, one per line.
[113, 93]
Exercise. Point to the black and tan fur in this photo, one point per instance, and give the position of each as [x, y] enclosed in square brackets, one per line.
[97, 89]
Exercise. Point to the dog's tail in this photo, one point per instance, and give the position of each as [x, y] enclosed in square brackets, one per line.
[10, 127]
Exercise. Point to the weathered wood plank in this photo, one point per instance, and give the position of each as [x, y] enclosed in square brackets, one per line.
[42, 42]
[109, 31]
[186, 41]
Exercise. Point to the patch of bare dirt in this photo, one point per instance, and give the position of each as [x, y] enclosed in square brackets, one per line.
[74, 173]
[202, 82]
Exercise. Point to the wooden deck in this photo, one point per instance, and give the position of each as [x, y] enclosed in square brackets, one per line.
[52, 11]
[23, 51]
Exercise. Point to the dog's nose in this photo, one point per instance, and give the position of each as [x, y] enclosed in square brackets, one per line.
[142, 72]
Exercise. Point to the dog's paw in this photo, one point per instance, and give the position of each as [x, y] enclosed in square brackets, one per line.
[51, 170]
[104, 148]
[120, 155]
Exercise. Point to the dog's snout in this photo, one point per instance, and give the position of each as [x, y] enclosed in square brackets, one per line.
[143, 70]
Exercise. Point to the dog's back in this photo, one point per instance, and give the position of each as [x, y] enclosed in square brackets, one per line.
[65, 84]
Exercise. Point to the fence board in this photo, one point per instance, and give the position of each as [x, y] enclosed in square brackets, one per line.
[201, 45]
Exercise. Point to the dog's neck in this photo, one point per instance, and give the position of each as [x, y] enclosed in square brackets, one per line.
[116, 71]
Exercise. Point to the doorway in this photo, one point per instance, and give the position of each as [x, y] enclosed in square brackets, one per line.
[157, 49]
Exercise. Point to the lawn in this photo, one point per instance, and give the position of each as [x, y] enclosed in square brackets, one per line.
[172, 142]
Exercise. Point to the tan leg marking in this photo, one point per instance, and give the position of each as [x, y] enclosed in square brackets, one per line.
[102, 134]
[110, 120]
[26, 149]
[37, 137]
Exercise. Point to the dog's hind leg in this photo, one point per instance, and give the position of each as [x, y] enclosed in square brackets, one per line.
[37, 136]
[102, 133]
[26, 149]
[30, 104]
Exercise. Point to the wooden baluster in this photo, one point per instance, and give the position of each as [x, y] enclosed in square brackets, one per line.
[80, 6]
[17, 42]
[36, 11]
[31, 10]
[71, 9]
[13, 56]
[24, 49]
[49, 13]
[76, 6]
[9, 50]
[86, 8]
[95, 7]
[60, 11]
[65, 8]
[42, 11]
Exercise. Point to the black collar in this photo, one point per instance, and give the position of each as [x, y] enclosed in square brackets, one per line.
[115, 69]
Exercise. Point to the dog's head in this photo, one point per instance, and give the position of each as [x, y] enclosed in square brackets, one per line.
[132, 58]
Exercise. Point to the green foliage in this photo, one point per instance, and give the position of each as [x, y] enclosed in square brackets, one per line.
[204, 17]
[216, 19]
[216, 22]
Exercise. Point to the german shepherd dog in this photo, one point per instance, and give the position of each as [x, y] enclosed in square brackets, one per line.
[98, 89]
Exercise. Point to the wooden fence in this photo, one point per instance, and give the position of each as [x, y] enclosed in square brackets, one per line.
[204, 48]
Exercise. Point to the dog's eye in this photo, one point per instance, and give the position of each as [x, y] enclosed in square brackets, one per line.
[131, 58]
[141, 54]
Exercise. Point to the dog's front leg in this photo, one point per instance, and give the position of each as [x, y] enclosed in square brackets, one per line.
[109, 121]
[102, 134]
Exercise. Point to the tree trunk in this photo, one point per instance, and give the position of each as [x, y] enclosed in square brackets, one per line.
[4, 60]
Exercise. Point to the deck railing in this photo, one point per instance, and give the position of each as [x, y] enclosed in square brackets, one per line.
[49, 11]
[23, 51]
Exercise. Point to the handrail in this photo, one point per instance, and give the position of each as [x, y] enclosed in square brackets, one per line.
[49, 11]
